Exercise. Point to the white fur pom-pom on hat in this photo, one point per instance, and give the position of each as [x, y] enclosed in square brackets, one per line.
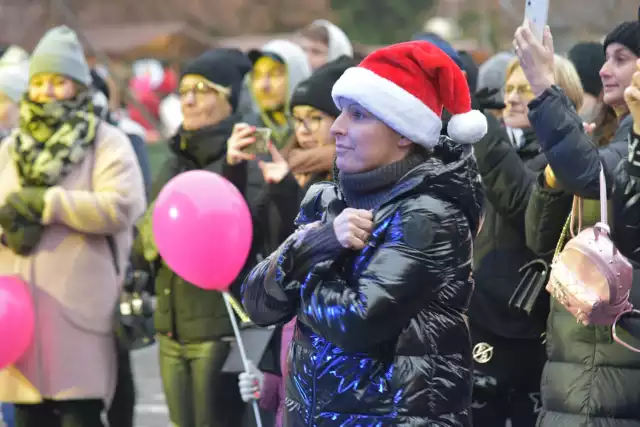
[406, 86]
[467, 128]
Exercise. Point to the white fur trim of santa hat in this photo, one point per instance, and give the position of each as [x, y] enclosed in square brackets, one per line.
[390, 103]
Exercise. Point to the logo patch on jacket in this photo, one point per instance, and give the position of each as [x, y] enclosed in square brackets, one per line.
[418, 231]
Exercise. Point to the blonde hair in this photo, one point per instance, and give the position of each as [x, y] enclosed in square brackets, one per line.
[565, 75]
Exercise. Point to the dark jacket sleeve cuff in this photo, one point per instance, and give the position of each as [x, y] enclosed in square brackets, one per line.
[318, 244]
[633, 165]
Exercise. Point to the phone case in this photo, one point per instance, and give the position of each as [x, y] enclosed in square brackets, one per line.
[537, 12]
[262, 135]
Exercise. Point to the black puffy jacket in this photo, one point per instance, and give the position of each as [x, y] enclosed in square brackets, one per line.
[626, 205]
[381, 336]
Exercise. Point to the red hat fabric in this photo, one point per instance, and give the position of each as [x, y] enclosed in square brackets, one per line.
[406, 85]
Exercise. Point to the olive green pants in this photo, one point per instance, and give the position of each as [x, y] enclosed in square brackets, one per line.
[198, 394]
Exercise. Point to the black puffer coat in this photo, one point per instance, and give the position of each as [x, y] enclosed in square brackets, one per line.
[381, 337]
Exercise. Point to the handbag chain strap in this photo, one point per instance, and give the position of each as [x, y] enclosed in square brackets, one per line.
[576, 211]
[563, 236]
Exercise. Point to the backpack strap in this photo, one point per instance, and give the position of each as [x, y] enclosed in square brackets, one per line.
[603, 196]
[614, 330]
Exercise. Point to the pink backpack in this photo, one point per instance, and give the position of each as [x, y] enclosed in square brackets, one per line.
[589, 276]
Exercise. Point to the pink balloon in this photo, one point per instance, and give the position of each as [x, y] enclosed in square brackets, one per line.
[17, 319]
[202, 228]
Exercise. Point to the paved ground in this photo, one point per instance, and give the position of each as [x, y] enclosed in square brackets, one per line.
[151, 409]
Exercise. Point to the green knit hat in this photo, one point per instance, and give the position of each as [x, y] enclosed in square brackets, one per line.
[59, 51]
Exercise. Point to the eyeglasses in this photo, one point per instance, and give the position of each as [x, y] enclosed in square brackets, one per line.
[201, 89]
[522, 90]
[311, 124]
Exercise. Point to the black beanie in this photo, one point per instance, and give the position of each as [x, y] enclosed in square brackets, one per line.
[627, 34]
[316, 90]
[224, 67]
[588, 58]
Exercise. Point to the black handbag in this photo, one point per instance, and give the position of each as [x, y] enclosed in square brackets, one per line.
[534, 277]
[135, 312]
[133, 318]
[262, 345]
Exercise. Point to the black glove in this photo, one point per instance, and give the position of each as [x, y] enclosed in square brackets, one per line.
[19, 234]
[28, 203]
[485, 98]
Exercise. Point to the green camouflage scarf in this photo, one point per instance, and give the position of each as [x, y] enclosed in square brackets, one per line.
[52, 138]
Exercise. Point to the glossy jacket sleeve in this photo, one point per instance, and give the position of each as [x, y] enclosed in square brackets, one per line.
[410, 266]
[575, 160]
[271, 291]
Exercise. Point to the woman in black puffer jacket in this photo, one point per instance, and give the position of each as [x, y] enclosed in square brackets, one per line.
[379, 275]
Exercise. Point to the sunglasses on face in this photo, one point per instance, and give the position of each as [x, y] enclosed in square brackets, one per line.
[204, 88]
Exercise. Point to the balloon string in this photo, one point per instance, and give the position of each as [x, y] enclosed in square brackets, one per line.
[229, 303]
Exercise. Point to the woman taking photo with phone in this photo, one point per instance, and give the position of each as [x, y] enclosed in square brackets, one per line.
[588, 380]
[312, 113]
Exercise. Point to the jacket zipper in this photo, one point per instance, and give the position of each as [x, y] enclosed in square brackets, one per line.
[312, 413]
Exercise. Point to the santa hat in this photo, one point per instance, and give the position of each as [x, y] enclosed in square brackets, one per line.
[406, 85]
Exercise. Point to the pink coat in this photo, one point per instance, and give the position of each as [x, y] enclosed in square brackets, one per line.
[71, 274]
[273, 388]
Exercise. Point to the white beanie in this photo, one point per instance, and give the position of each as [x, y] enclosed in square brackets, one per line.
[14, 81]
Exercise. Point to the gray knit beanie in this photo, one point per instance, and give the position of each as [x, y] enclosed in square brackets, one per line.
[59, 51]
[492, 74]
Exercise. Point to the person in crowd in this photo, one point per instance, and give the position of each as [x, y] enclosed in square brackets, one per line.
[626, 224]
[13, 55]
[277, 69]
[313, 112]
[379, 271]
[492, 78]
[71, 190]
[588, 58]
[14, 80]
[470, 69]
[508, 342]
[192, 323]
[122, 410]
[324, 42]
[588, 379]
[135, 132]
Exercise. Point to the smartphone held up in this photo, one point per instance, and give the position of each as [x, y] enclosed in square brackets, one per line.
[537, 13]
[261, 144]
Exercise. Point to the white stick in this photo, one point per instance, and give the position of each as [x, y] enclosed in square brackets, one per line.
[243, 353]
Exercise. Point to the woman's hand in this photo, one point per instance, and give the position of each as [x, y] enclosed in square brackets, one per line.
[274, 171]
[632, 98]
[241, 137]
[353, 228]
[536, 59]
